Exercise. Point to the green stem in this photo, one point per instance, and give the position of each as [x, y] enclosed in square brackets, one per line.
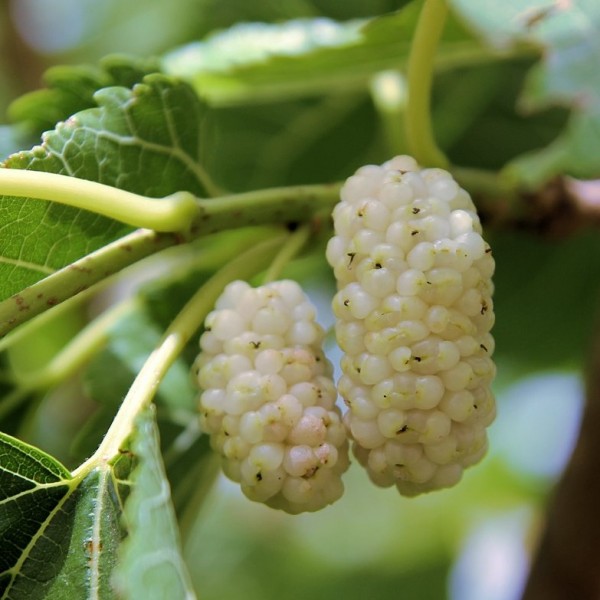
[29, 328]
[489, 184]
[183, 327]
[172, 213]
[293, 245]
[80, 275]
[419, 131]
[388, 91]
[90, 340]
[273, 205]
[276, 205]
[70, 359]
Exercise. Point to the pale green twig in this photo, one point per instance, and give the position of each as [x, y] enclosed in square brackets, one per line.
[272, 205]
[293, 245]
[69, 359]
[172, 213]
[419, 131]
[388, 91]
[276, 205]
[80, 275]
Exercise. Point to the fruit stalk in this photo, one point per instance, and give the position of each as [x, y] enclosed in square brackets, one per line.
[419, 130]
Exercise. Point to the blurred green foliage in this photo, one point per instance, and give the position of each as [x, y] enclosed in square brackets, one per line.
[373, 544]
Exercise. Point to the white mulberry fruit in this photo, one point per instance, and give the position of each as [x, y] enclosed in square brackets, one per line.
[268, 398]
[413, 315]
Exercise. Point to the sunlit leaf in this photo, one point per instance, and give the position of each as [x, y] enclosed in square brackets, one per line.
[70, 89]
[148, 140]
[253, 61]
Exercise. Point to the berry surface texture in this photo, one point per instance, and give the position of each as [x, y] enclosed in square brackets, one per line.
[413, 317]
[269, 401]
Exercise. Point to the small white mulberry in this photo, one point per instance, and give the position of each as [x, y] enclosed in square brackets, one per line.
[413, 315]
[268, 398]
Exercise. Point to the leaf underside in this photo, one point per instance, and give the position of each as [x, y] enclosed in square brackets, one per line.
[61, 537]
[151, 566]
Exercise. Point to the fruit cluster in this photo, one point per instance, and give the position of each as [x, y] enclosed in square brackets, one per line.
[268, 398]
[414, 312]
[413, 317]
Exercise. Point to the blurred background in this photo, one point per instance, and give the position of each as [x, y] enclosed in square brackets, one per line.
[472, 542]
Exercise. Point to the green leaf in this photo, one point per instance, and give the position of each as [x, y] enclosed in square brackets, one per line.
[70, 89]
[61, 535]
[151, 565]
[546, 299]
[186, 451]
[477, 119]
[58, 535]
[295, 142]
[191, 466]
[567, 75]
[35, 491]
[131, 342]
[258, 61]
[93, 520]
[148, 140]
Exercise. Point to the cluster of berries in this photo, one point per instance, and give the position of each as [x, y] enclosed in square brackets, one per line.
[268, 400]
[413, 317]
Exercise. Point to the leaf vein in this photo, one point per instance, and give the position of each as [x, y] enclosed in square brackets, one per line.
[17, 262]
[38, 486]
[14, 571]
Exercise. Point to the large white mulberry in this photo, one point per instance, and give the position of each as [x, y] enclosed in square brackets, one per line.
[268, 398]
[413, 318]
